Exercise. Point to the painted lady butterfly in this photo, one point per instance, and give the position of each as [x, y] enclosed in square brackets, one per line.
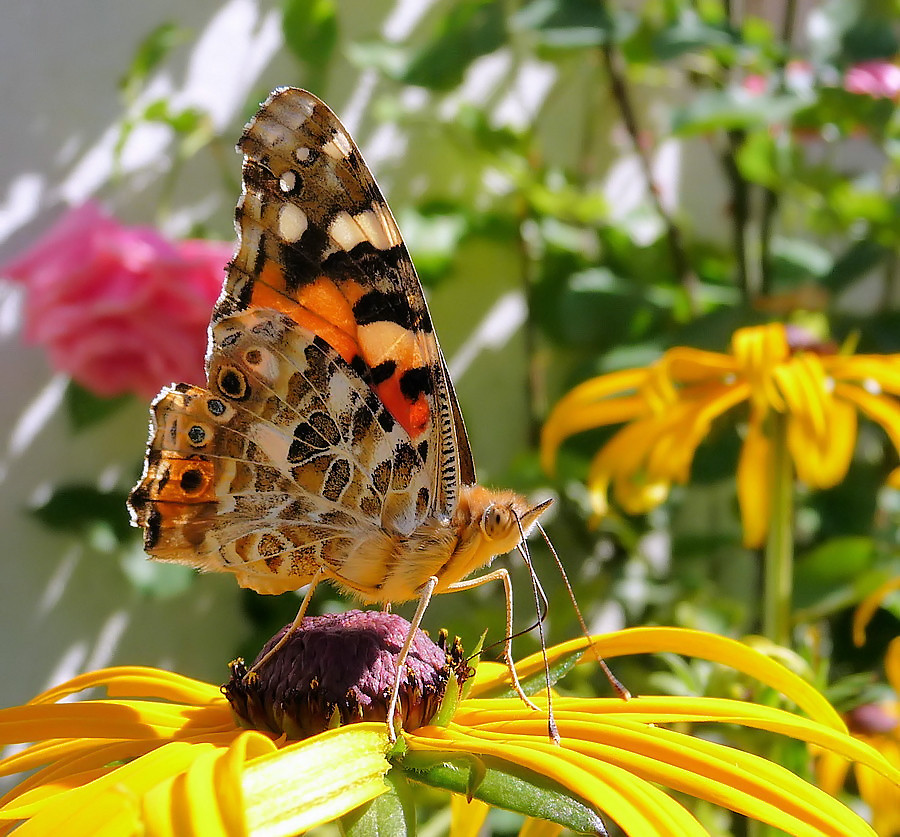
[329, 444]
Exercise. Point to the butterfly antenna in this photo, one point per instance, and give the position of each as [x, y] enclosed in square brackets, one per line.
[540, 596]
[614, 681]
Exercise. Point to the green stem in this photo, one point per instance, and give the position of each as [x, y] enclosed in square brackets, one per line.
[779, 559]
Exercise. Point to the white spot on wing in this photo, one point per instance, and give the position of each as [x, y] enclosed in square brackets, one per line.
[270, 133]
[287, 181]
[292, 222]
[373, 228]
[338, 147]
[345, 231]
[250, 205]
[293, 109]
[301, 154]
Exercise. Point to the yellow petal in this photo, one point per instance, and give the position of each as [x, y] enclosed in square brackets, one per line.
[802, 383]
[539, 828]
[700, 644]
[881, 409]
[892, 666]
[831, 771]
[138, 681]
[112, 799]
[316, 780]
[637, 806]
[467, 816]
[867, 371]
[882, 795]
[687, 366]
[607, 399]
[706, 770]
[622, 461]
[754, 484]
[758, 350]
[867, 607]
[685, 425]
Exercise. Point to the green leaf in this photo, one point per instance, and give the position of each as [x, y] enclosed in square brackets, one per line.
[310, 30]
[392, 813]
[153, 578]
[857, 260]
[798, 260]
[504, 785]
[834, 576]
[433, 238]
[571, 24]
[714, 110]
[84, 408]
[840, 110]
[691, 33]
[836, 561]
[79, 508]
[757, 160]
[470, 29]
[149, 55]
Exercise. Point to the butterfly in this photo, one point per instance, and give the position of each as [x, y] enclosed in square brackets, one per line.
[328, 444]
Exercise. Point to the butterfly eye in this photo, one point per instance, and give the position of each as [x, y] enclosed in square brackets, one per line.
[495, 521]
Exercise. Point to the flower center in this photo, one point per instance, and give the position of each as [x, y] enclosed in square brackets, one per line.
[339, 669]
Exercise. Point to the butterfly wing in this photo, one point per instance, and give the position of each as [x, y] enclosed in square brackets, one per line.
[319, 243]
[329, 418]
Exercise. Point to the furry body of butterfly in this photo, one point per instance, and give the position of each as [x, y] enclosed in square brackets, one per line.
[328, 443]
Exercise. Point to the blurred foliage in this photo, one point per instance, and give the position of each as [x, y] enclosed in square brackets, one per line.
[642, 177]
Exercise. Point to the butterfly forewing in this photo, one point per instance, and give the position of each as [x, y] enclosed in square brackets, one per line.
[319, 244]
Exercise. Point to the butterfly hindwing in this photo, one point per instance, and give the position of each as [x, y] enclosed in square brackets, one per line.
[281, 466]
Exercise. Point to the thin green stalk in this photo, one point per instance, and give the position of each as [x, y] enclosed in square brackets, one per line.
[779, 557]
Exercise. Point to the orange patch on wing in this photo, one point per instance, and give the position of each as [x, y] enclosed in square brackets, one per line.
[326, 309]
[412, 416]
[319, 307]
[190, 481]
[386, 341]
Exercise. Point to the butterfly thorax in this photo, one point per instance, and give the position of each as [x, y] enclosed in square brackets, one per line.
[389, 566]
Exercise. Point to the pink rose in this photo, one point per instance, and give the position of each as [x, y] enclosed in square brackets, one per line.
[120, 309]
[879, 79]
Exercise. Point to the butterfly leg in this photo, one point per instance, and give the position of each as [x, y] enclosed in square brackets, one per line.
[294, 625]
[500, 575]
[424, 599]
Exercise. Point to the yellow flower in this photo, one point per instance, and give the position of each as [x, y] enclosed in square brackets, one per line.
[671, 405]
[162, 755]
[877, 724]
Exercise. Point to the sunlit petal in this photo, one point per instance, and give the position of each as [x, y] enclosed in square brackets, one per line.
[638, 807]
[691, 643]
[316, 780]
[139, 681]
[740, 781]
